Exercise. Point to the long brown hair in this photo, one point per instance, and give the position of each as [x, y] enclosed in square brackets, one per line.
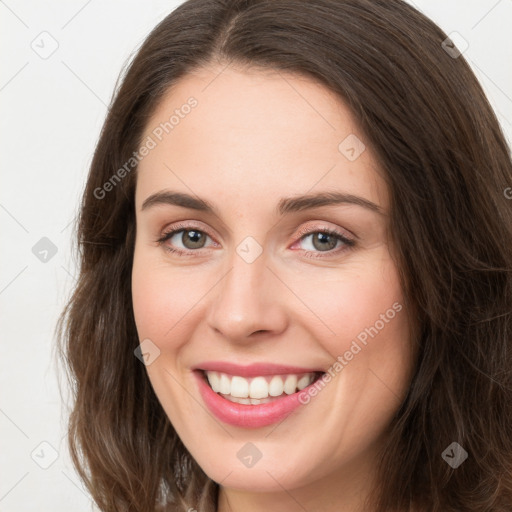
[447, 166]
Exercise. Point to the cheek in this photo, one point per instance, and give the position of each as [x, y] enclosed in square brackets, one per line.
[162, 298]
[157, 306]
[361, 321]
[356, 298]
[149, 303]
[161, 301]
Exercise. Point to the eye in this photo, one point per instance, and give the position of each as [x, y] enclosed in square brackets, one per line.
[324, 240]
[191, 238]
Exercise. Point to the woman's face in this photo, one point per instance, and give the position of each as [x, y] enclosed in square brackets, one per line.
[255, 281]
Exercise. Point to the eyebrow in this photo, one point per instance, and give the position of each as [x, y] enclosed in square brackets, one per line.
[285, 205]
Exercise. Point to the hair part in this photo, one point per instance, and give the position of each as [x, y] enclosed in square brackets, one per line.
[446, 163]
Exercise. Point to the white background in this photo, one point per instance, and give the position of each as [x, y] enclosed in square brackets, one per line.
[52, 112]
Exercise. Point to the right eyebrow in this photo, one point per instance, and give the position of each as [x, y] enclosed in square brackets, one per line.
[178, 199]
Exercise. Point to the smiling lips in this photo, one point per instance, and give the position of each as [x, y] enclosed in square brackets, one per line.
[252, 396]
[251, 390]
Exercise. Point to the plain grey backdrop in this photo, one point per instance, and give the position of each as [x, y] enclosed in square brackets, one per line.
[59, 64]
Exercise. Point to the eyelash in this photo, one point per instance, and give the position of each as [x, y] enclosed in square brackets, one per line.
[349, 243]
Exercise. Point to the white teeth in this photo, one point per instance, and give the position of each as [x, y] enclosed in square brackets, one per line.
[240, 387]
[258, 388]
[255, 390]
[303, 382]
[225, 384]
[290, 384]
[248, 401]
[214, 381]
[276, 387]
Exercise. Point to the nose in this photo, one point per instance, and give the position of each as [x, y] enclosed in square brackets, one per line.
[248, 302]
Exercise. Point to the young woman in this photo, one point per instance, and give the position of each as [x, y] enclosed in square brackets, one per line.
[295, 289]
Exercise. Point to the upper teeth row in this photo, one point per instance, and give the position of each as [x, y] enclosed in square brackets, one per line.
[258, 387]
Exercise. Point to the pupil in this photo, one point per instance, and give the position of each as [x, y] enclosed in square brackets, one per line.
[196, 237]
[323, 240]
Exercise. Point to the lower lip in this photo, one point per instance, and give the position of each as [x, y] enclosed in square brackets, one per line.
[248, 416]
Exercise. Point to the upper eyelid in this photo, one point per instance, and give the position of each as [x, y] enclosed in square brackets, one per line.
[186, 227]
[300, 234]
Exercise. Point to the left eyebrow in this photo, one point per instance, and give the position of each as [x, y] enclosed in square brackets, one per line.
[285, 205]
[300, 203]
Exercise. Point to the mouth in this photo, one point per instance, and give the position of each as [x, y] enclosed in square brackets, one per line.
[263, 400]
[260, 389]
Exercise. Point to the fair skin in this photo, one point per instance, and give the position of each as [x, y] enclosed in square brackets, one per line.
[254, 138]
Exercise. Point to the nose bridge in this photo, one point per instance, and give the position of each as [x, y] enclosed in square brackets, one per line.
[246, 299]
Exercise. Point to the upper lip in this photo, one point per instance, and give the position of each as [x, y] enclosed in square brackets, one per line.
[254, 369]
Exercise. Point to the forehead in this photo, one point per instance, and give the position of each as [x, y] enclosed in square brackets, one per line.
[254, 136]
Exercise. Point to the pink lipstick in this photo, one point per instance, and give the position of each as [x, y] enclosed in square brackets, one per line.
[247, 415]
